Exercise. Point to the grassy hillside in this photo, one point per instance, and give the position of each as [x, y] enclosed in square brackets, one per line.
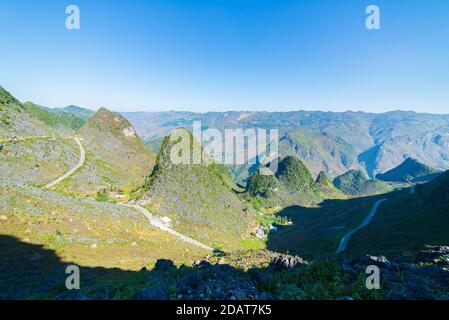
[37, 160]
[7, 98]
[326, 187]
[17, 122]
[408, 221]
[79, 112]
[316, 232]
[82, 232]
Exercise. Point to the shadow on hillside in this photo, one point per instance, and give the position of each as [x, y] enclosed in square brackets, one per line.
[316, 232]
[30, 271]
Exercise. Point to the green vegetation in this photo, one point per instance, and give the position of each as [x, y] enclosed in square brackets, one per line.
[7, 98]
[408, 221]
[81, 113]
[116, 247]
[295, 176]
[64, 120]
[292, 184]
[316, 232]
[116, 158]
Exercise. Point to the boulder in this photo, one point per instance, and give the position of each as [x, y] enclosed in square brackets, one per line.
[164, 265]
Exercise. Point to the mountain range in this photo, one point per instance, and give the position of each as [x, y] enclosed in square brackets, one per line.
[326, 141]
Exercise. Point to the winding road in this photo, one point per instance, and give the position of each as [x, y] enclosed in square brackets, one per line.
[155, 222]
[71, 171]
[344, 241]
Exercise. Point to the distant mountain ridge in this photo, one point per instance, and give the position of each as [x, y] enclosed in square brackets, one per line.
[82, 113]
[411, 170]
[374, 143]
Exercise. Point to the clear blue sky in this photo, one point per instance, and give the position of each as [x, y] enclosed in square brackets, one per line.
[228, 55]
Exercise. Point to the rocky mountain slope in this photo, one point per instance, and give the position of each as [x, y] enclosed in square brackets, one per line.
[198, 197]
[326, 187]
[116, 157]
[408, 221]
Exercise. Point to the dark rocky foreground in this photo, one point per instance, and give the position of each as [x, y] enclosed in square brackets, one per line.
[249, 275]
[422, 277]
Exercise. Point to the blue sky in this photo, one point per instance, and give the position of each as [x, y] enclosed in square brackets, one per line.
[217, 55]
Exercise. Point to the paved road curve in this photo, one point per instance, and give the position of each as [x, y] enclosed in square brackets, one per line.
[71, 171]
[154, 221]
[344, 241]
